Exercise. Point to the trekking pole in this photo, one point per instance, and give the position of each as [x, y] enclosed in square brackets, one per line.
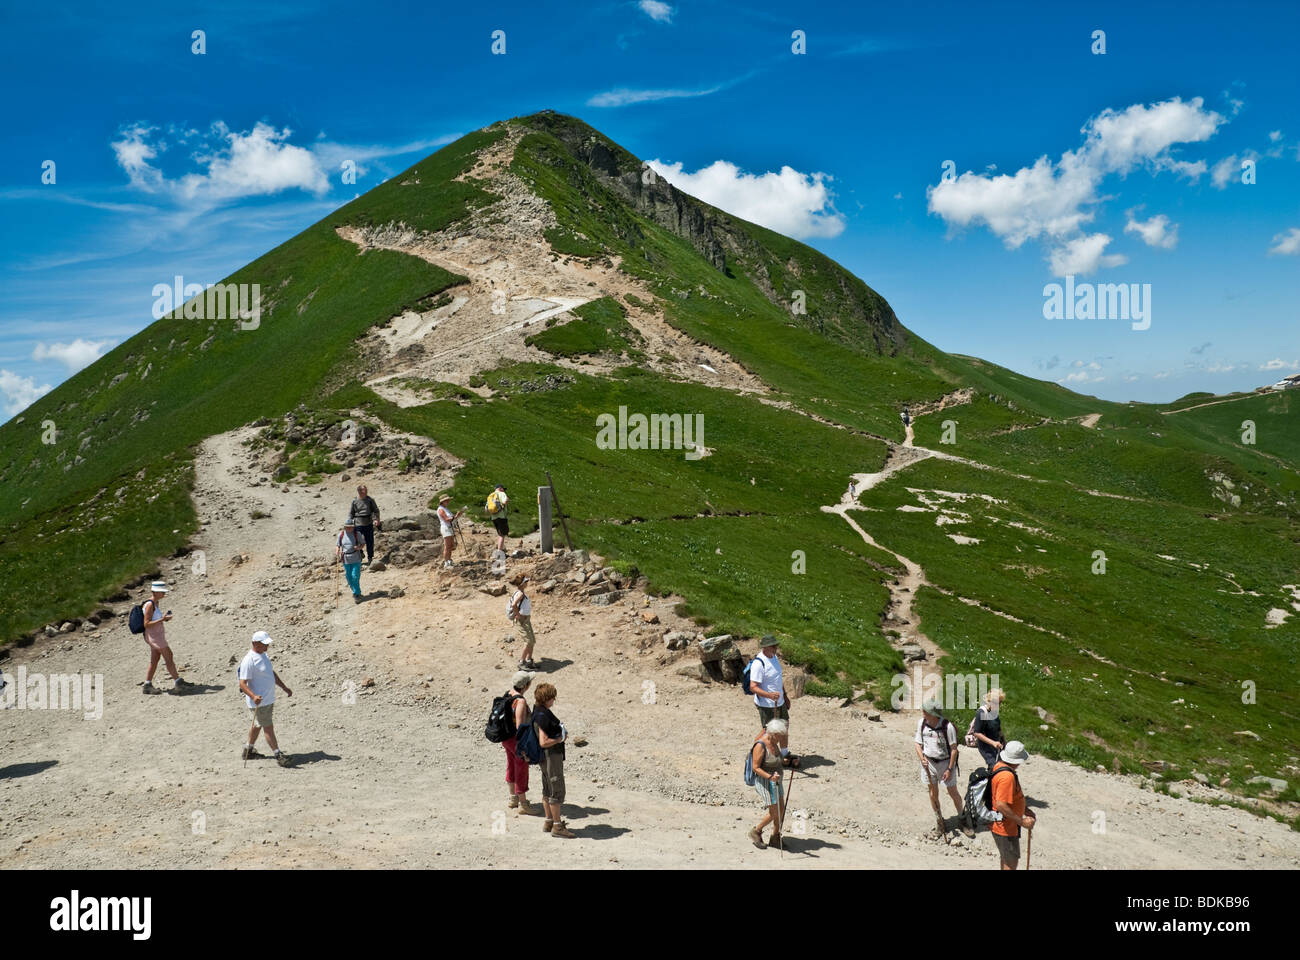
[938, 813]
[785, 806]
[1029, 849]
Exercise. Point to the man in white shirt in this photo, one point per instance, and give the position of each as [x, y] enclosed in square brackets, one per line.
[767, 681]
[257, 681]
[936, 748]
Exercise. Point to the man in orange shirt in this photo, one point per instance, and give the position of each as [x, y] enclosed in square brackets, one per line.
[1009, 800]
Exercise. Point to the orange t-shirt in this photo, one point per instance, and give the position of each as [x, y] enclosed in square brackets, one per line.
[1007, 790]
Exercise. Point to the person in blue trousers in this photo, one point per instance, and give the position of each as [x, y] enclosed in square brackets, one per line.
[351, 552]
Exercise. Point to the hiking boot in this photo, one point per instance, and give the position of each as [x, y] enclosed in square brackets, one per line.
[514, 799]
[149, 688]
[251, 754]
[182, 682]
[561, 830]
[283, 759]
[547, 825]
[356, 598]
[941, 828]
[756, 835]
[965, 826]
[527, 809]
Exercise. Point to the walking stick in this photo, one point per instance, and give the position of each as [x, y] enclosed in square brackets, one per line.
[1029, 849]
[785, 805]
[938, 813]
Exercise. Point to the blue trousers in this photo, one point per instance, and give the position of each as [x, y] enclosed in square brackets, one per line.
[353, 572]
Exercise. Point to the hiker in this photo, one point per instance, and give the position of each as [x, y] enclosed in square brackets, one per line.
[766, 760]
[853, 489]
[516, 766]
[767, 682]
[349, 551]
[365, 512]
[447, 521]
[986, 728]
[906, 417]
[551, 735]
[155, 634]
[498, 505]
[1009, 800]
[936, 748]
[257, 681]
[521, 612]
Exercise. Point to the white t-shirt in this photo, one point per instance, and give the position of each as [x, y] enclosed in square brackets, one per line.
[525, 605]
[447, 518]
[930, 741]
[766, 675]
[255, 669]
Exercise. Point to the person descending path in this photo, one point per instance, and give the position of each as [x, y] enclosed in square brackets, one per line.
[985, 732]
[936, 748]
[766, 680]
[517, 766]
[155, 634]
[1009, 800]
[365, 513]
[348, 550]
[447, 523]
[765, 761]
[551, 735]
[257, 681]
[520, 611]
[498, 506]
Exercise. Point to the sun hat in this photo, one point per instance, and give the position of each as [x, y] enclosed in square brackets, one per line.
[1015, 753]
[768, 641]
[932, 705]
[349, 522]
[262, 637]
[521, 679]
[444, 498]
[158, 586]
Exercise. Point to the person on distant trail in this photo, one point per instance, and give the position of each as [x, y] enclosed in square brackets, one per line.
[155, 634]
[853, 489]
[447, 521]
[498, 505]
[936, 748]
[517, 767]
[551, 736]
[766, 679]
[986, 728]
[521, 610]
[348, 550]
[257, 681]
[1009, 800]
[765, 758]
[907, 419]
[365, 512]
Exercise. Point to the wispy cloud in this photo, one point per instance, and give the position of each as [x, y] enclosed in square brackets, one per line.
[1286, 244]
[657, 11]
[624, 96]
[1155, 232]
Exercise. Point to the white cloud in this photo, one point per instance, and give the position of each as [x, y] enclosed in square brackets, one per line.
[1274, 136]
[1082, 376]
[75, 355]
[1277, 363]
[1084, 255]
[255, 163]
[1052, 201]
[796, 204]
[657, 11]
[1228, 169]
[17, 393]
[624, 96]
[1286, 244]
[1155, 232]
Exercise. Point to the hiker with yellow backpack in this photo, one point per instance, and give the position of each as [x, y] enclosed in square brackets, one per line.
[497, 506]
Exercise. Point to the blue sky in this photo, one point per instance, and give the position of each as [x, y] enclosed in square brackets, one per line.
[1122, 167]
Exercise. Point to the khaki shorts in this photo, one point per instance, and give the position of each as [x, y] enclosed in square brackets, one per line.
[552, 767]
[1008, 848]
[937, 769]
[767, 714]
[262, 715]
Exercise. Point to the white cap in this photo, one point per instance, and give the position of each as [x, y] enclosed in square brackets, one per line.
[158, 586]
[261, 637]
[1015, 753]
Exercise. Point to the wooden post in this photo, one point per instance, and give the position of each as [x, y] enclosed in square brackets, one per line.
[544, 518]
[559, 510]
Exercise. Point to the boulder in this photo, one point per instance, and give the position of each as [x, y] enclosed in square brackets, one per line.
[549, 585]
[695, 671]
[1274, 784]
[649, 616]
[494, 589]
[717, 648]
[912, 652]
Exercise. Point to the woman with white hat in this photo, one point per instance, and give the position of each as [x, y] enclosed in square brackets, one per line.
[447, 522]
[155, 634]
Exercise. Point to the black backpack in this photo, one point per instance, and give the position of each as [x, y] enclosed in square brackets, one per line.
[135, 619]
[501, 719]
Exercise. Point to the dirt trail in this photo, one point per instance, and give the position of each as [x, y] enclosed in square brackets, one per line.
[1209, 403]
[401, 776]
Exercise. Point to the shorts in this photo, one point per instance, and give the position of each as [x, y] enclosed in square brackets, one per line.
[526, 625]
[447, 530]
[1008, 848]
[770, 793]
[767, 714]
[262, 715]
[502, 526]
[936, 770]
[552, 767]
